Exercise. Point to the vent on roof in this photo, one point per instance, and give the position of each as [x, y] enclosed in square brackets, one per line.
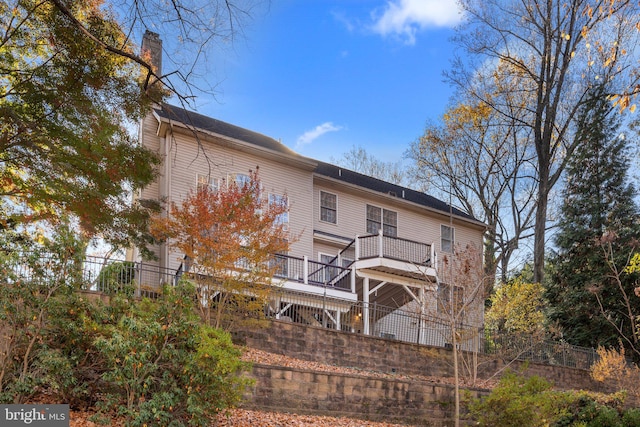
[339, 172]
[403, 194]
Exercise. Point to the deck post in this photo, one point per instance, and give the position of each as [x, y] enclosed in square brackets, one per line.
[276, 302]
[357, 247]
[365, 305]
[421, 337]
[434, 261]
[353, 279]
[305, 269]
[380, 243]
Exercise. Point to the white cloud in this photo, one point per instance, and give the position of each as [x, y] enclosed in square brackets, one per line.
[404, 18]
[309, 136]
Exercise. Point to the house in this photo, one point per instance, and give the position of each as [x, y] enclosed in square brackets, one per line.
[369, 251]
[372, 257]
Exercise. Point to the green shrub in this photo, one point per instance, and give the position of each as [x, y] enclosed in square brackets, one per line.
[606, 417]
[117, 277]
[631, 418]
[154, 362]
[517, 402]
[530, 402]
[165, 367]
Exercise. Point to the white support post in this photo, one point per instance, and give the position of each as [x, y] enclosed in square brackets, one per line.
[365, 305]
[433, 255]
[276, 306]
[357, 247]
[380, 243]
[338, 326]
[305, 269]
[353, 279]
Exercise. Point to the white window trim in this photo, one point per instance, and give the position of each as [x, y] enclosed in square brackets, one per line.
[232, 177]
[213, 183]
[382, 223]
[452, 240]
[320, 209]
[286, 198]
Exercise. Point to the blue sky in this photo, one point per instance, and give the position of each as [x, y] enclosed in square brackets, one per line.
[326, 75]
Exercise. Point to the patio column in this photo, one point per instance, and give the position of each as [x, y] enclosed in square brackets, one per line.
[365, 306]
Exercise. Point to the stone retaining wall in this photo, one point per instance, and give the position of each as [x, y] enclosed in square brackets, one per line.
[394, 400]
[376, 354]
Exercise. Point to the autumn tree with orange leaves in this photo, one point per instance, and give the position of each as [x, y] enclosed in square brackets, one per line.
[230, 238]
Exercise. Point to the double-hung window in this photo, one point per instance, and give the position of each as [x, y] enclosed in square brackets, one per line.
[382, 218]
[446, 238]
[239, 178]
[280, 200]
[205, 181]
[328, 207]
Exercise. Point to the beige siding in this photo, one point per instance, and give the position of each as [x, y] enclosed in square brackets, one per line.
[414, 223]
[149, 139]
[219, 161]
[185, 158]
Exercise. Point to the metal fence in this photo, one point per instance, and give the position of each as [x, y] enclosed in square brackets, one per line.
[412, 327]
[90, 273]
[402, 324]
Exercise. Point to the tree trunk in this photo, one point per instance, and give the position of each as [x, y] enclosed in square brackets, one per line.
[540, 226]
[456, 374]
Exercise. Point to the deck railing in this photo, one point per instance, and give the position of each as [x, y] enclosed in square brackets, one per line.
[309, 272]
[381, 246]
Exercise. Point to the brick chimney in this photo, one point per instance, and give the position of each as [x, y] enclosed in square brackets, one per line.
[152, 46]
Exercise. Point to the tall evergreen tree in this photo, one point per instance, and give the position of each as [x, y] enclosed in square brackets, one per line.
[598, 199]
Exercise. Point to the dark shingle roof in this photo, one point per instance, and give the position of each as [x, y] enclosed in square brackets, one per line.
[199, 121]
[355, 178]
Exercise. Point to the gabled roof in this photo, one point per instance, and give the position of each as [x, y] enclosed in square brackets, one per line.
[203, 123]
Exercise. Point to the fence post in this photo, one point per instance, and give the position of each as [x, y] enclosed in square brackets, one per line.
[139, 281]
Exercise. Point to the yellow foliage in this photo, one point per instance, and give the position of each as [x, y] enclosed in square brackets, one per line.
[634, 264]
[517, 307]
[612, 366]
